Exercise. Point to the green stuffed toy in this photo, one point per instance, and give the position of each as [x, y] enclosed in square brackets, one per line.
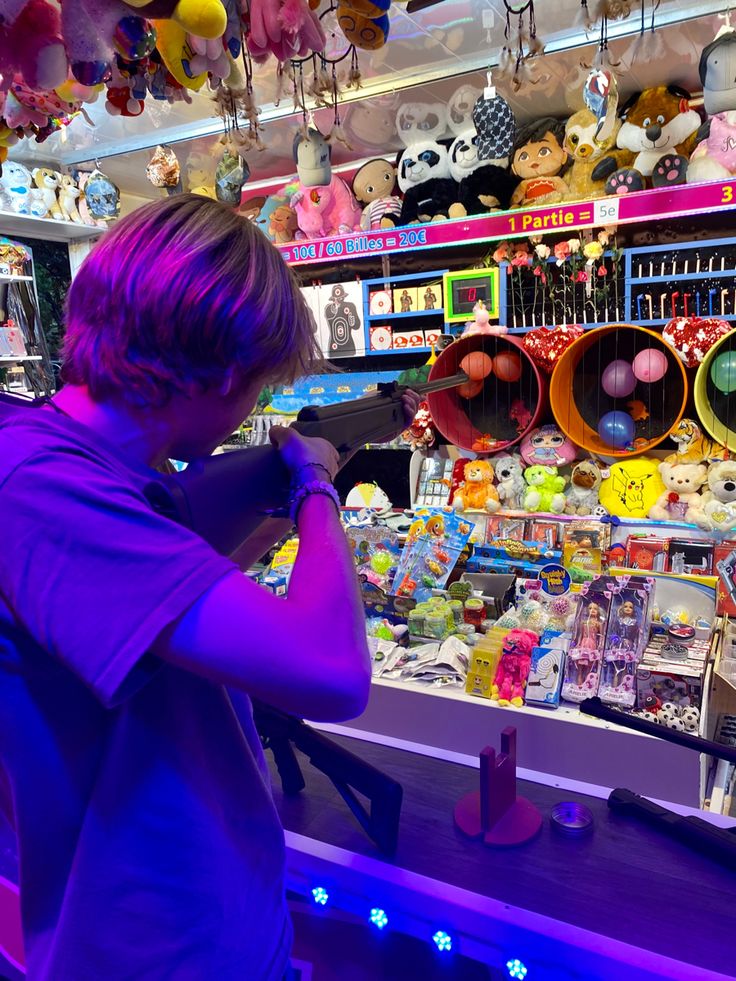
[544, 491]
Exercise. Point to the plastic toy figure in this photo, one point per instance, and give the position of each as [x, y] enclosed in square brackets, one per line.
[513, 668]
[628, 624]
[591, 635]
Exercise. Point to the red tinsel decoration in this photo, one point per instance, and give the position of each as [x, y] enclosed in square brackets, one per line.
[693, 337]
[546, 345]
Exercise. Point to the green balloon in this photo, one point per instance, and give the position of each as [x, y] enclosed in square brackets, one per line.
[723, 372]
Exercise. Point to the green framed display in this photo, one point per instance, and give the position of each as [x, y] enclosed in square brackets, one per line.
[463, 290]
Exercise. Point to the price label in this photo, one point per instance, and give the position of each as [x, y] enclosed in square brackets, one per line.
[605, 211]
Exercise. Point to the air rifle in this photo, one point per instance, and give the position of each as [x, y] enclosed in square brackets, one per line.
[224, 498]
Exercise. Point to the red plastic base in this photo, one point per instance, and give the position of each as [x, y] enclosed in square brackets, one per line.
[519, 824]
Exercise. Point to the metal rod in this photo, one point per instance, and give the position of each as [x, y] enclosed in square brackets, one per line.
[596, 708]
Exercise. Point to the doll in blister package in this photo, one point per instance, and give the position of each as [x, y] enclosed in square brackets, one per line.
[582, 671]
[626, 639]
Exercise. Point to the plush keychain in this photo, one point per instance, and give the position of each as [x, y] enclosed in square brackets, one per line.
[231, 174]
[714, 158]
[323, 202]
[539, 158]
[682, 483]
[374, 187]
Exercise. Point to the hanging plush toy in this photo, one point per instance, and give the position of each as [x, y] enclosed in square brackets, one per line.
[31, 43]
[374, 187]
[660, 129]
[323, 202]
[285, 29]
[231, 174]
[364, 23]
[539, 158]
[714, 158]
[103, 197]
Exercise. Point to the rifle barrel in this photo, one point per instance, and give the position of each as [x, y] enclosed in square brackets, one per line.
[440, 384]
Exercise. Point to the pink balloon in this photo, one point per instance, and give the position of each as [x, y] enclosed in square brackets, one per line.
[618, 379]
[650, 365]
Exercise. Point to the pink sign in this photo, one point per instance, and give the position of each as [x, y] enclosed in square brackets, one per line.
[685, 199]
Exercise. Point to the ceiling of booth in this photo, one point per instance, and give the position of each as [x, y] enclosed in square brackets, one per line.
[426, 53]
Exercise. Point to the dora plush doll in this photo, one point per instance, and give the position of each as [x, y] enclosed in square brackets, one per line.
[539, 159]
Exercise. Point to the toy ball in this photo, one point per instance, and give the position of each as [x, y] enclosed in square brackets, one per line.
[677, 724]
[671, 708]
[468, 390]
[618, 379]
[616, 429]
[477, 365]
[134, 38]
[648, 716]
[507, 366]
[723, 372]
[650, 365]
[665, 718]
[690, 718]
[381, 562]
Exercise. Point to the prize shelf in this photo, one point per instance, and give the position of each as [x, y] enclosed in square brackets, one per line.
[639, 207]
[563, 742]
[26, 226]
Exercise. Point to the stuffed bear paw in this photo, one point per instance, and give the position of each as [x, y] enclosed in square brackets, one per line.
[624, 181]
[457, 210]
[670, 170]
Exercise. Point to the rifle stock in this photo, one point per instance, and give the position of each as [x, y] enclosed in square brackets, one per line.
[225, 498]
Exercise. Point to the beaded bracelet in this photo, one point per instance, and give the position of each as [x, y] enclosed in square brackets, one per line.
[310, 466]
[305, 490]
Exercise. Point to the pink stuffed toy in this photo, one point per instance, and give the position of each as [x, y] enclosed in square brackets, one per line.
[513, 668]
[323, 202]
[283, 28]
[482, 324]
[31, 44]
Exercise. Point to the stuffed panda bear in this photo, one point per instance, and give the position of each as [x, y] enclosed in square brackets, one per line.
[483, 187]
[424, 178]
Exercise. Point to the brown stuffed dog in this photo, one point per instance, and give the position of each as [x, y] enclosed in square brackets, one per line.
[660, 129]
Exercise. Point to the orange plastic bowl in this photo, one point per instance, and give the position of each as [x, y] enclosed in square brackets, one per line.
[504, 411]
[578, 401]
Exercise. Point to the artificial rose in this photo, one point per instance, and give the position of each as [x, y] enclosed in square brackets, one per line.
[602, 271]
[501, 254]
[593, 251]
[581, 277]
[562, 252]
[521, 256]
[543, 252]
[573, 244]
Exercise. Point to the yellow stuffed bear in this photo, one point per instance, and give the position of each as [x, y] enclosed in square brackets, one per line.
[585, 151]
[476, 492]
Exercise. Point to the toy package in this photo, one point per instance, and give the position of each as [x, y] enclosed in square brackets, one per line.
[725, 565]
[626, 639]
[500, 527]
[377, 551]
[435, 542]
[511, 556]
[584, 545]
[435, 480]
[648, 554]
[483, 664]
[582, 670]
[546, 532]
[544, 685]
[693, 558]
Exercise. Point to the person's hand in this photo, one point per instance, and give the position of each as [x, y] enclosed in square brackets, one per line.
[306, 458]
[410, 404]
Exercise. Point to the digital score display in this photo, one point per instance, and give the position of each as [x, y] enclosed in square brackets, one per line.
[464, 289]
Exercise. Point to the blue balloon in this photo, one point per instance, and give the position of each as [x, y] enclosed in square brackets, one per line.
[616, 429]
